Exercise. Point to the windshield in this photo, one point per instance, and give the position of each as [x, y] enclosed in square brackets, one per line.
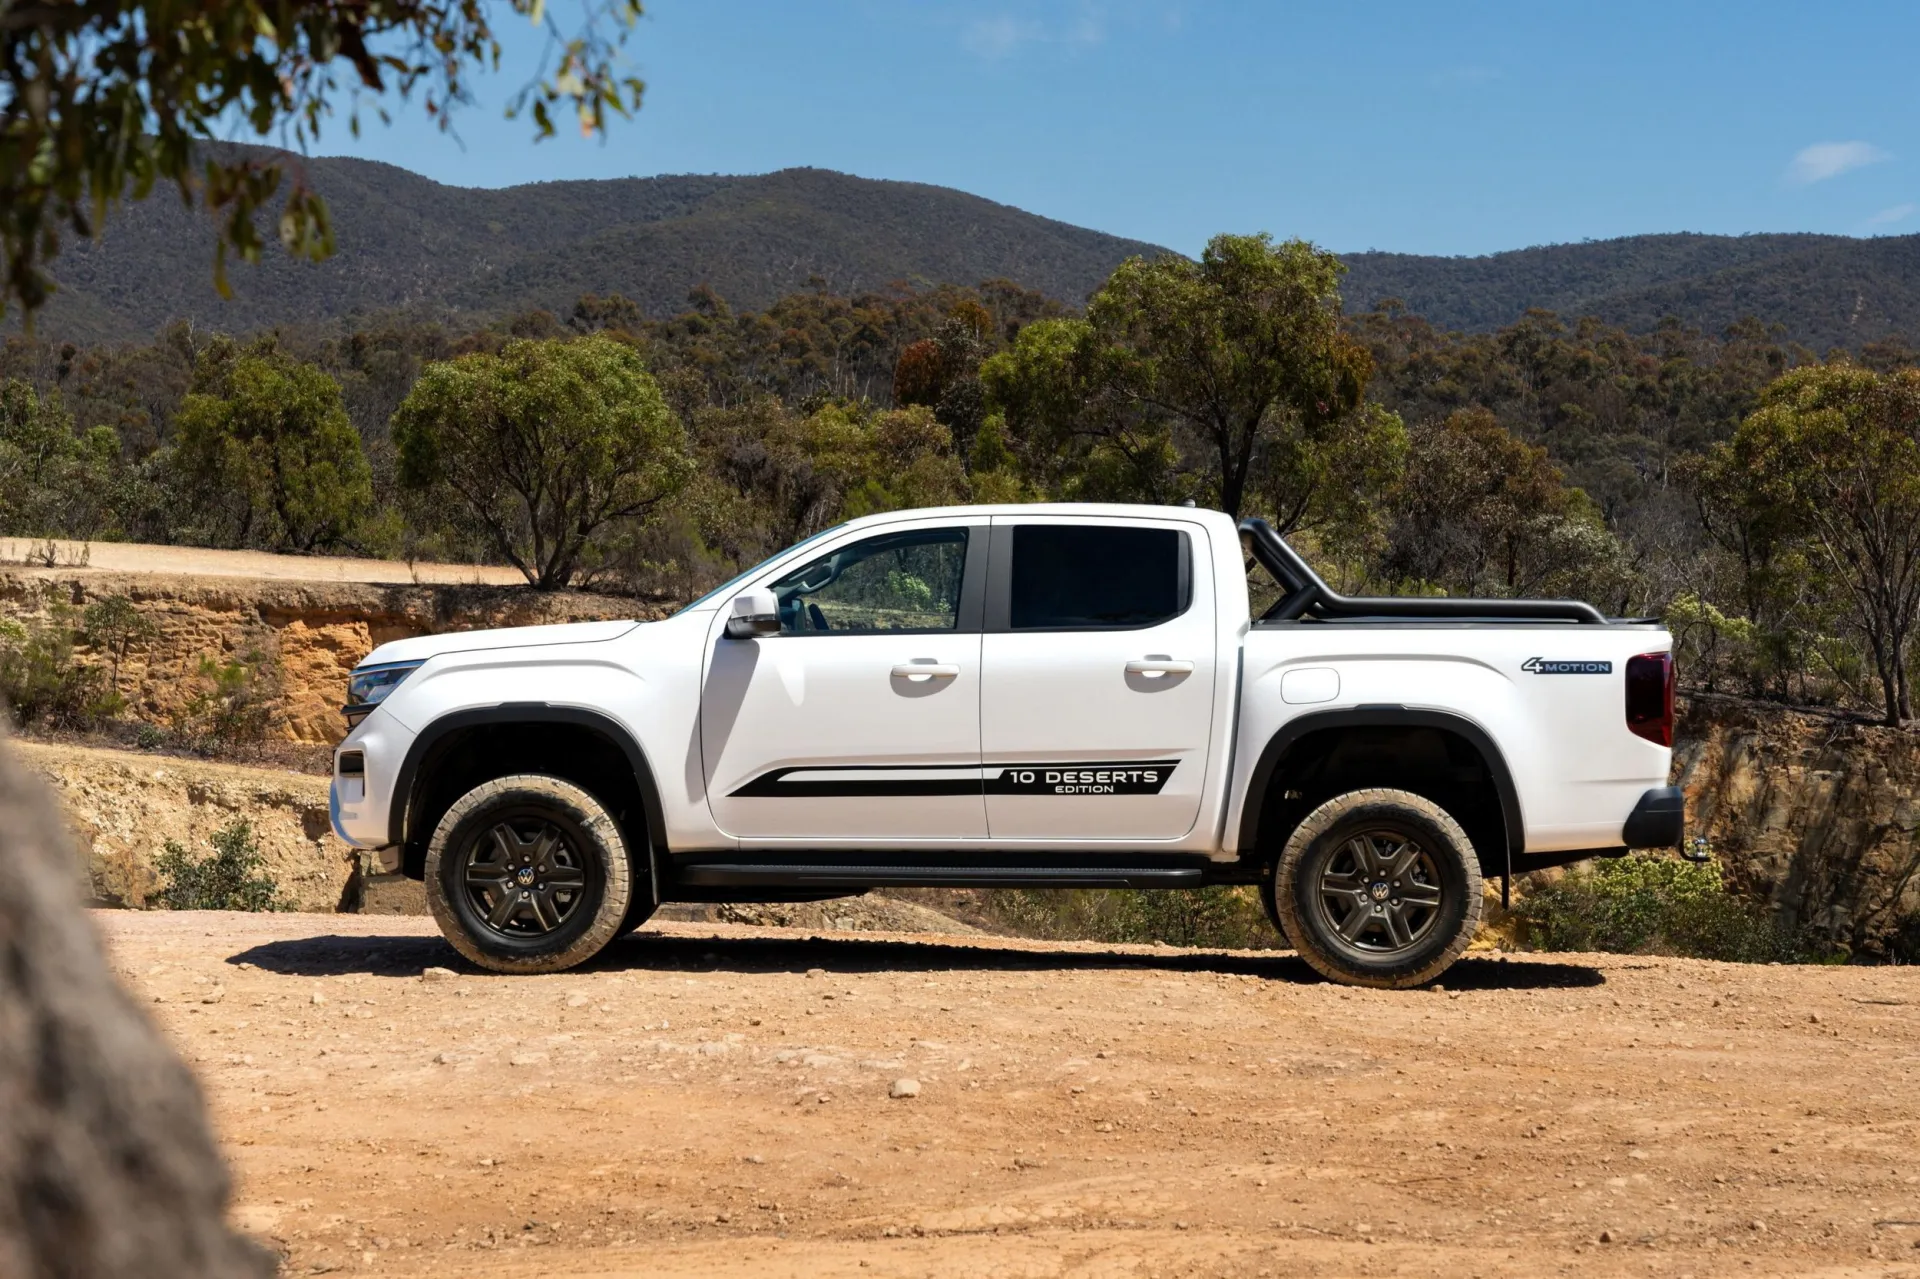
[738, 578]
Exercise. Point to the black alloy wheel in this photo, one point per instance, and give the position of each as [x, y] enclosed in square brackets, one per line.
[1380, 892]
[523, 877]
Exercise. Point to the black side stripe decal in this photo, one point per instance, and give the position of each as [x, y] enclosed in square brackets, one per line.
[1123, 777]
[793, 783]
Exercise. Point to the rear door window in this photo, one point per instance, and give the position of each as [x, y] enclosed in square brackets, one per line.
[1092, 577]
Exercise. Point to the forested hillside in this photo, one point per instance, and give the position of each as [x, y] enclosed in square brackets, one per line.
[1823, 290]
[407, 242]
[470, 256]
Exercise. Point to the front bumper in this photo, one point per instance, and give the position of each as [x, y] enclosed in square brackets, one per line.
[360, 800]
[1659, 820]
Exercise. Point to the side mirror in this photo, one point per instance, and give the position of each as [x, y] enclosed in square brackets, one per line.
[753, 613]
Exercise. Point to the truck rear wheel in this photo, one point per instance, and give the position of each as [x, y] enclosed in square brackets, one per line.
[528, 874]
[1378, 888]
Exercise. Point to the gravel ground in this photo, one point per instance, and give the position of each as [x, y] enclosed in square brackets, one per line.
[710, 1099]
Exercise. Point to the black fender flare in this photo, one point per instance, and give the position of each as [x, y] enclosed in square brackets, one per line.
[406, 780]
[1381, 716]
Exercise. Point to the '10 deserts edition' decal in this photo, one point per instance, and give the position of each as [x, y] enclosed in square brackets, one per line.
[1130, 777]
[1080, 779]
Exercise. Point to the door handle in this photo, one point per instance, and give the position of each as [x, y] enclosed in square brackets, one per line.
[1157, 667]
[921, 672]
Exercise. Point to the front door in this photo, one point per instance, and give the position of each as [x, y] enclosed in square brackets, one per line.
[860, 720]
[1097, 696]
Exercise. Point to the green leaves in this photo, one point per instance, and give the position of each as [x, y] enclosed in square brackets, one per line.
[543, 446]
[1481, 512]
[1643, 904]
[106, 99]
[1831, 460]
[41, 683]
[234, 877]
[1228, 378]
[266, 456]
[54, 483]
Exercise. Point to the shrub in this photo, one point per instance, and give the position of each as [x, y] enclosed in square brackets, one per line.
[232, 704]
[1641, 904]
[113, 626]
[41, 681]
[234, 877]
[1225, 917]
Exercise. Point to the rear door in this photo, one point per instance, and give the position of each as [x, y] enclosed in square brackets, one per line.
[1097, 687]
[860, 720]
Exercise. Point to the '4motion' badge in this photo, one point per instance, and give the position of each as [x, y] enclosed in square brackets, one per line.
[1557, 666]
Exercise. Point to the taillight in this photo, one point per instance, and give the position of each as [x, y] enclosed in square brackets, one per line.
[1650, 697]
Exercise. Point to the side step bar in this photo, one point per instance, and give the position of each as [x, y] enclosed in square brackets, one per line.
[809, 875]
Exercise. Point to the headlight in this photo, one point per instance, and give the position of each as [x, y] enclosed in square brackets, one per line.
[368, 686]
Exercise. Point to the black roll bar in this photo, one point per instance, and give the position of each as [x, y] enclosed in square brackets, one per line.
[1308, 596]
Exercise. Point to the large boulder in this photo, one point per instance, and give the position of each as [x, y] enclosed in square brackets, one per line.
[107, 1166]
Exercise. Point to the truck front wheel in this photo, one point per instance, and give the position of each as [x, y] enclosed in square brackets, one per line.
[1378, 888]
[528, 874]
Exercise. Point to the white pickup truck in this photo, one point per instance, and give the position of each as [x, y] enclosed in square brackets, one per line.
[1033, 696]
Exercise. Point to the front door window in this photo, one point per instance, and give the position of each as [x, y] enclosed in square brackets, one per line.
[896, 582]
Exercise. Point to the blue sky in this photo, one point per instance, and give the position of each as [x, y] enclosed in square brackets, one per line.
[1418, 127]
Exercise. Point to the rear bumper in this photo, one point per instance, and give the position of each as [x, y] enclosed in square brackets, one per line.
[1659, 820]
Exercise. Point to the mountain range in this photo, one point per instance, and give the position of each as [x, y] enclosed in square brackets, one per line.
[408, 243]
[1825, 290]
[405, 242]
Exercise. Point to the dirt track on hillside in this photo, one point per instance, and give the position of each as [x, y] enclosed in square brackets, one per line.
[138, 557]
[715, 1101]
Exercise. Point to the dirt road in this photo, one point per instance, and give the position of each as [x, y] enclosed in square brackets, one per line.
[715, 1101]
[136, 557]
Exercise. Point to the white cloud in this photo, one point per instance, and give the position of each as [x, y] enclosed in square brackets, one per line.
[1825, 160]
[1887, 217]
[1003, 35]
[998, 37]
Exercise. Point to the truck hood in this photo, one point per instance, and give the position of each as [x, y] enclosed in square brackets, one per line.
[425, 646]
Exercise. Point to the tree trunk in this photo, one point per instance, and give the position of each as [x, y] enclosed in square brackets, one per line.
[1888, 669]
[1233, 486]
[1905, 699]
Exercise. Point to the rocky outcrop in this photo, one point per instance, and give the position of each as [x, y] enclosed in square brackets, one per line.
[304, 636]
[123, 807]
[1817, 813]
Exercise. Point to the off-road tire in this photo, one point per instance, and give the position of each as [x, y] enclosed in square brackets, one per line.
[1303, 867]
[591, 831]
